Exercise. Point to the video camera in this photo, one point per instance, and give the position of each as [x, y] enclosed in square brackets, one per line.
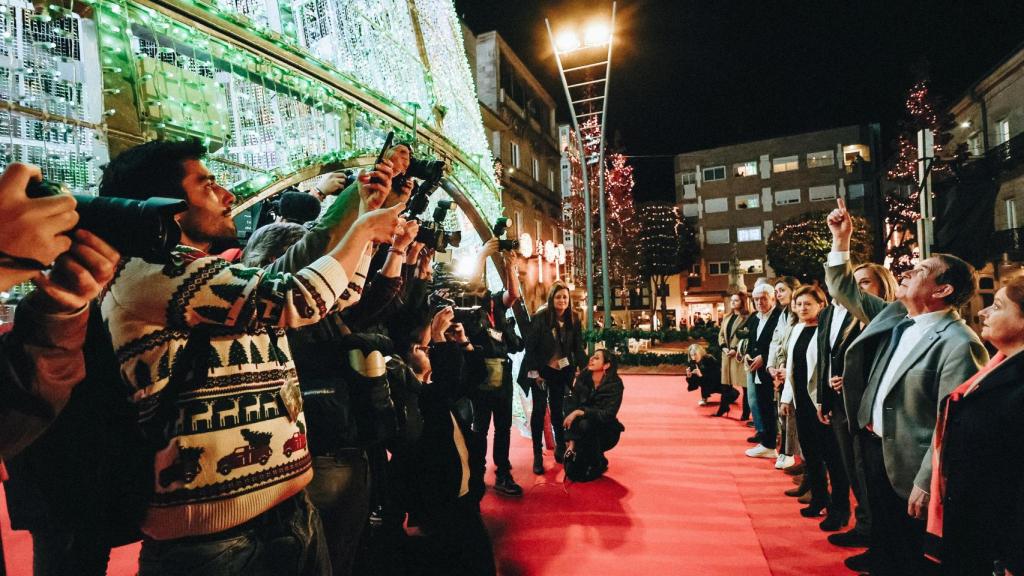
[500, 227]
[136, 228]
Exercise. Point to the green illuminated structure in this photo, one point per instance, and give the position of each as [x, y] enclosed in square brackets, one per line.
[280, 90]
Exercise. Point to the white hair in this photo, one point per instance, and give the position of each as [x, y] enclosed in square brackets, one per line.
[762, 289]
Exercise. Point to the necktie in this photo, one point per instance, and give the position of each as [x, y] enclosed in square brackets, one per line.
[875, 378]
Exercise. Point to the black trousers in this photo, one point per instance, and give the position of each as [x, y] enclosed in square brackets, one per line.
[496, 405]
[769, 412]
[821, 455]
[455, 542]
[896, 538]
[852, 457]
[555, 384]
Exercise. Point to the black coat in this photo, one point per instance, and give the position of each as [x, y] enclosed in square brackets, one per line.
[984, 500]
[828, 398]
[711, 381]
[600, 404]
[540, 345]
[759, 346]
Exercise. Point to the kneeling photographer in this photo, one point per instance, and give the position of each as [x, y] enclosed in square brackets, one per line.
[496, 338]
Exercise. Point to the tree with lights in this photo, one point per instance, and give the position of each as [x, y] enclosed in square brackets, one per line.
[667, 246]
[925, 111]
[798, 246]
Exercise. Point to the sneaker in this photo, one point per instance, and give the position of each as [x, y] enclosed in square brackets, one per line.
[784, 461]
[703, 402]
[760, 451]
[506, 485]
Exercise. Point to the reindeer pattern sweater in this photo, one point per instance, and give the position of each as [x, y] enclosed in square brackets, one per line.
[234, 452]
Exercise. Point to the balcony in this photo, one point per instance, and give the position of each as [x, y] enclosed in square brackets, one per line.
[1007, 154]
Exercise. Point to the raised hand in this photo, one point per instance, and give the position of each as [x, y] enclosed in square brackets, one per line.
[380, 225]
[841, 226]
[375, 185]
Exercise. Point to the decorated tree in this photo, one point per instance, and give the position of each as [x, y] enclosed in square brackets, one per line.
[799, 246]
[256, 438]
[667, 246]
[924, 111]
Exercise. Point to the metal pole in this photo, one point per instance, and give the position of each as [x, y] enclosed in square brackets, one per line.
[925, 149]
[588, 229]
[606, 280]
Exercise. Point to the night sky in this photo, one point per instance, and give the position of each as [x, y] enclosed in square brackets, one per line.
[693, 74]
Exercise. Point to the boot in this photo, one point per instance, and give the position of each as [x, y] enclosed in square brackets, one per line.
[559, 453]
[538, 463]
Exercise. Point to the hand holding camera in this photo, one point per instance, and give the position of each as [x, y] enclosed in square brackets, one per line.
[440, 323]
[331, 184]
[34, 230]
[78, 275]
[405, 236]
[380, 225]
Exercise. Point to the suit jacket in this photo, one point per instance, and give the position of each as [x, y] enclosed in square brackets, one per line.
[942, 360]
[821, 392]
[761, 346]
[984, 498]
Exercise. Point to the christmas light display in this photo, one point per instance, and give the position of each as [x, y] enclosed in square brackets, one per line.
[667, 245]
[274, 88]
[798, 246]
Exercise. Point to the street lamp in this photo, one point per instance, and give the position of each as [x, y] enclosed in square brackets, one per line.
[584, 105]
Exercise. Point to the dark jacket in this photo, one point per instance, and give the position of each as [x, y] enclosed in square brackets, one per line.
[831, 358]
[600, 404]
[711, 379]
[541, 343]
[984, 503]
[759, 346]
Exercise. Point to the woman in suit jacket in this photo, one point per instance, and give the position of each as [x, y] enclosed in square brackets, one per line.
[977, 488]
[729, 338]
[554, 351]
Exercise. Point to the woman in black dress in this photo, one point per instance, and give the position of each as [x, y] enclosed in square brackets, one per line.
[554, 352]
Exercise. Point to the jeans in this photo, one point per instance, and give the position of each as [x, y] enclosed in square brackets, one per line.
[496, 403]
[555, 383]
[340, 490]
[287, 540]
[755, 411]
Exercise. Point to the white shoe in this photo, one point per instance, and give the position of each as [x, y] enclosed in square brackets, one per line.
[760, 451]
[784, 461]
[703, 402]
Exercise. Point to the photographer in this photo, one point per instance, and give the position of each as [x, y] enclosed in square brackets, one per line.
[239, 409]
[41, 359]
[591, 423]
[493, 396]
[554, 352]
[436, 470]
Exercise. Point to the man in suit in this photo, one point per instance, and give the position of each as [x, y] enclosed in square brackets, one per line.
[762, 327]
[911, 354]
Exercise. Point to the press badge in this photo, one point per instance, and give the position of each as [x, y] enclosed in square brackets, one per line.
[291, 395]
[495, 335]
[563, 363]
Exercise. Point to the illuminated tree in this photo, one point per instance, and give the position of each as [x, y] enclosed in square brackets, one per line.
[667, 245]
[800, 245]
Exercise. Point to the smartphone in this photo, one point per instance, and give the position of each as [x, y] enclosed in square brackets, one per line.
[383, 150]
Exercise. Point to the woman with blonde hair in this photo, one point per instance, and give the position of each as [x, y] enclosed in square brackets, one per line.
[703, 372]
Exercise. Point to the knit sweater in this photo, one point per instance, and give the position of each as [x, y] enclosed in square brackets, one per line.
[234, 453]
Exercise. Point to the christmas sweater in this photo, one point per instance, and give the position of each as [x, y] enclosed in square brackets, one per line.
[234, 452]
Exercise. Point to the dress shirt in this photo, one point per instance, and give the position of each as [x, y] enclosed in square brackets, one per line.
[839, 313]
[762, 319]
[923, 324]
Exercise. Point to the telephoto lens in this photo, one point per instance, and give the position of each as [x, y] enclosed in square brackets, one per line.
[137, 229]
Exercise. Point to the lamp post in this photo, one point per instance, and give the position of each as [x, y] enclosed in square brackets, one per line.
[596, 36]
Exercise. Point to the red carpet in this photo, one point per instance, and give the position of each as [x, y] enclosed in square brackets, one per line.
[679, 498]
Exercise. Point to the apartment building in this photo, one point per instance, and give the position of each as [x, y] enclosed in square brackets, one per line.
[735, 195]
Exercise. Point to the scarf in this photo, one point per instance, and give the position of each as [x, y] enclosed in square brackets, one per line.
[938, 481]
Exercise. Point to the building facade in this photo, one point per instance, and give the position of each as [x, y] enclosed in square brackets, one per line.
[735, 195]
[519, 119]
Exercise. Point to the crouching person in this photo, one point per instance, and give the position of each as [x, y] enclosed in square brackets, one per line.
[591, 426]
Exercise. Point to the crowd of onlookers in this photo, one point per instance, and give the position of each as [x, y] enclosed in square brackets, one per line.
[879, 387]
[316, 402]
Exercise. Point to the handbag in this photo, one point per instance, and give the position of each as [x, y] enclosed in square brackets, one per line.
[495, 373]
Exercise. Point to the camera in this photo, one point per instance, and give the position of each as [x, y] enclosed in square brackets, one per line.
[426, 170]
[136, 228]
[500, 227]
[471, 318]
[431, 233]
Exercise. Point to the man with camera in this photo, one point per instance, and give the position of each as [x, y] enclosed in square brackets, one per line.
[41, 358]
[497, 338]
[201, 342]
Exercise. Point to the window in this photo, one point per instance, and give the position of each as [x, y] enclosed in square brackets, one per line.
[690, 210]
[519, 223]
[851, 152]
[536, 169]
[745, 168]
[752, 266]
[720, 236]
[817, 193]
[975, 145]
[688, 177]
[1002, 131]
[819, 159]
[715, 173]
[748, 202]
[712, 205]
[515, 155]
[783, 197]
[785, 164]
[718, 268]
[551, 179]
[1011, 213]
[751, 234]
[855, 191]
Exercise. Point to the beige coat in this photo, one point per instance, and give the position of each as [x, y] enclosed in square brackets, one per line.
[733, 373]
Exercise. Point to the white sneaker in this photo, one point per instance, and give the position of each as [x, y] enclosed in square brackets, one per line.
[703, 402]
[760, 451]
[784, 461]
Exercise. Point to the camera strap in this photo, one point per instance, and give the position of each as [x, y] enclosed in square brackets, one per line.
[19, 263]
